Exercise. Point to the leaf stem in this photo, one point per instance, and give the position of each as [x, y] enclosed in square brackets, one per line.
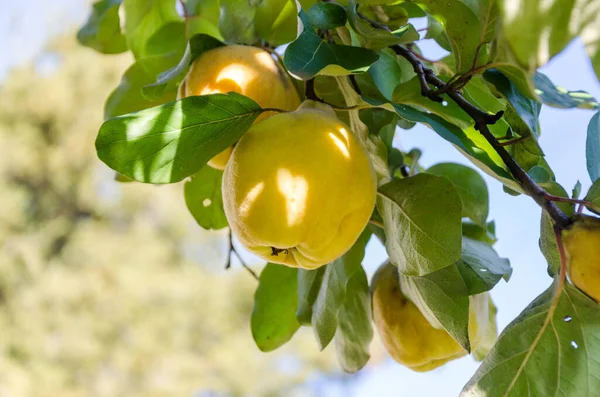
[376, 223]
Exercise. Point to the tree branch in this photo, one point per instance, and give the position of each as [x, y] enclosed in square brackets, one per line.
[482, 121]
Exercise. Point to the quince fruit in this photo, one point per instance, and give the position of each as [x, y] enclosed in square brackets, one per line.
[409, 337]
[246, 70]
[582, 249]
[299, 188]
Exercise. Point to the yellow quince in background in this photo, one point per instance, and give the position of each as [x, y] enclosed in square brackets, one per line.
[299, 188]
[408, 336]
[246, 70]
[582, 249]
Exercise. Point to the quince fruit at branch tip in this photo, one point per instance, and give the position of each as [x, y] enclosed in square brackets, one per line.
[246, 70]
[408, 336]
[299, 188]
[582, 250]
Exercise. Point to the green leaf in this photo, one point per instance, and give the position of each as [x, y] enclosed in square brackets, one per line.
[435, 31]
[422, 219]
[487, 328]
[236, 21]
[170, 38]
[327, 15]
[273, 320]
[547, 240]
[144, 18]
[476, 232]
[204, 199]
[481, 267]
[355, 331]
[409, 93]
[276, 21]
[471, 188]
[528, 110]
[203, 17]
[593, 195]
[464, 28]
[102, 30]
[374, 38]
[576, 190]
[171, 78]
[546, 351]
[592, 148]
[128, 97]
[309, 284]
[310, 55]
[468, 141]
[537, 30]
[560, 97]
[442, 298]
[167, 143]
[540, 174]
[333, 291]
[389, 72]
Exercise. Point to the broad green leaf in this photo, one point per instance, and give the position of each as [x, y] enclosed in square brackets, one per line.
[435, 31]
[276, 21]
[560, 97]
[380, 122]
[310, 55]
[528, 110]
[592, 148]
[464, 29]
[389, 72]
[333, 291]
[471, 188]
[540, 174]
[236, 21]
[576, 190]
[548, 350]
[375, 38]
[537, 30]
[469, 141]
[203, 17]
[102, 30]
[309, 284]
[273, 320]
[355, 331]
[128, 97]
[547, 240]
[144, 18]
[169, 39]
[483, 310]
[476, 232]
[422, 219]
[481, 267]
[170, 79]
[167, 143]
[204, 199]
[327, 15]
[593, 195]
[442, 298]
[409, 93]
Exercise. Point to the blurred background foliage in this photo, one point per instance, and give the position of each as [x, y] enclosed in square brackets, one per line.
[111, 289]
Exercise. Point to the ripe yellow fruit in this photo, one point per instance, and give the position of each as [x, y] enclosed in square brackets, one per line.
[299, 188]
[247, 70]
[406, 334]
[582, 249]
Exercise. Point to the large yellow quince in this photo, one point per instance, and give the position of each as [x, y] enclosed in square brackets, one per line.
[247, 70]
[299, 188]
[582, 249]
[409, 337]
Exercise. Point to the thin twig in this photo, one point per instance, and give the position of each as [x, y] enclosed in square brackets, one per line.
[585, 203]
[482, 120]
[229, 250]
[233, 250]
[376, 223]
[513, 141]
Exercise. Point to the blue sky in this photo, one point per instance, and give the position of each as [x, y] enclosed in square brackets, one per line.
[26, 26]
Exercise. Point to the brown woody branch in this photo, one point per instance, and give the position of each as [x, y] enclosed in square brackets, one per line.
[427, 78]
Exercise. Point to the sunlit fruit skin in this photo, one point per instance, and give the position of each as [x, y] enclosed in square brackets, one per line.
[247, 70]
[405, 333]
[299, 188]
[582, 250]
